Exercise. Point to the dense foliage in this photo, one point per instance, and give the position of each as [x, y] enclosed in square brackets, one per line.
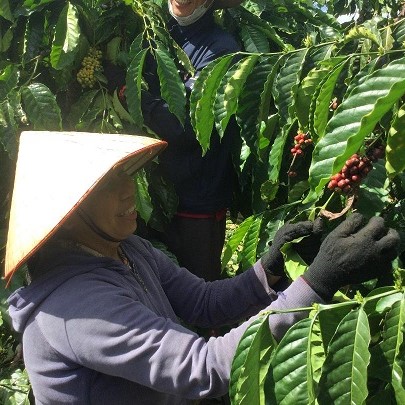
[318, 94]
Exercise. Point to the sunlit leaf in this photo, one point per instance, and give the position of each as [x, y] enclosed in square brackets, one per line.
[251, 362]
[291, 372]
[355, 118]
[287, 81]
[344, 373]
[66, 40]
[323, 95]
[228, 94]
[202, 99]
[171, 86]
[235, 240]
[395, 150]
[250, 241]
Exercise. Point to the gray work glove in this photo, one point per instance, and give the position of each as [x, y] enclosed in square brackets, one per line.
[352, 253]
[273, 261]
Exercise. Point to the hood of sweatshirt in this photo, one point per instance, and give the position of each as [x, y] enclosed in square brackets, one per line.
[63, 266]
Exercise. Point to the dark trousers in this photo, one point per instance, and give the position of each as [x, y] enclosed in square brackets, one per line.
[197, 244]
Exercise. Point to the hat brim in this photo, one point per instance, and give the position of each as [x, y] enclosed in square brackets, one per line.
[55, 171]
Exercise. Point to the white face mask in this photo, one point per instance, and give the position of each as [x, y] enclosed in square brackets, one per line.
[194, 16]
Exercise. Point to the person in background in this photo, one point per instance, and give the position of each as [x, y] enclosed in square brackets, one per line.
[205, 185]
[102, 319]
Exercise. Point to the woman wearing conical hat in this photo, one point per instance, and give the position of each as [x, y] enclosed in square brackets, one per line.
[103, 316]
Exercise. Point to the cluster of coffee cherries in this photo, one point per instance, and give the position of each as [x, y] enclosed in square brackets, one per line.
[355, 169]
[301, 141]
[90, 65]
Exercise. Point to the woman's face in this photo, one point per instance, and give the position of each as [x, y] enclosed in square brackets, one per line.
[111, 205]
[184, 8]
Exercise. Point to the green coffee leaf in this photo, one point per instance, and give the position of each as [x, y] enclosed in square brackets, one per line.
[287, 82]
[235, 240]
[344, 373]
[251, 111]
[228, 93]
[251, 362]
[171, 86]
[66, 40]
[250, 241]
[202, 99]
[290, 372]
[8, 79]
[355, 118]
[41, 107]
[319, 109]
[395, 150]
[133, 86]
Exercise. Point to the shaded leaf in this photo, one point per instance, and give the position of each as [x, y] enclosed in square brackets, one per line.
[387, 361]
[8, 130]
[329, 317]
[373, 195]
[399, 32]
[254, 39]
[276, 159]
[142, 198]
[133, 86]
[34, 35]
[8, 80]
[5, 11]
[41, 107]
[81, 106]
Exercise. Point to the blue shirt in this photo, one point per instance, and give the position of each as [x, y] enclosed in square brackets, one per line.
[204, 184]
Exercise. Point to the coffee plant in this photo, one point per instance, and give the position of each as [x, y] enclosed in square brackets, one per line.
[318, 93]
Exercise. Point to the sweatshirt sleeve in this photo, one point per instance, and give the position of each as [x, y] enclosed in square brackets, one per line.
[124, 338]
[216, 303]
[210, 304]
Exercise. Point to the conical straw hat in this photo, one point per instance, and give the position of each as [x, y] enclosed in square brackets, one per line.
[55, 171]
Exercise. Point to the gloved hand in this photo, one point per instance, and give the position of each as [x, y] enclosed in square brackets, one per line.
[352, 253]
[308, 248]
[273, 261]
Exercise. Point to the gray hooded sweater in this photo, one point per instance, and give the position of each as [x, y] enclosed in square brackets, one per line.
[93, 333]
